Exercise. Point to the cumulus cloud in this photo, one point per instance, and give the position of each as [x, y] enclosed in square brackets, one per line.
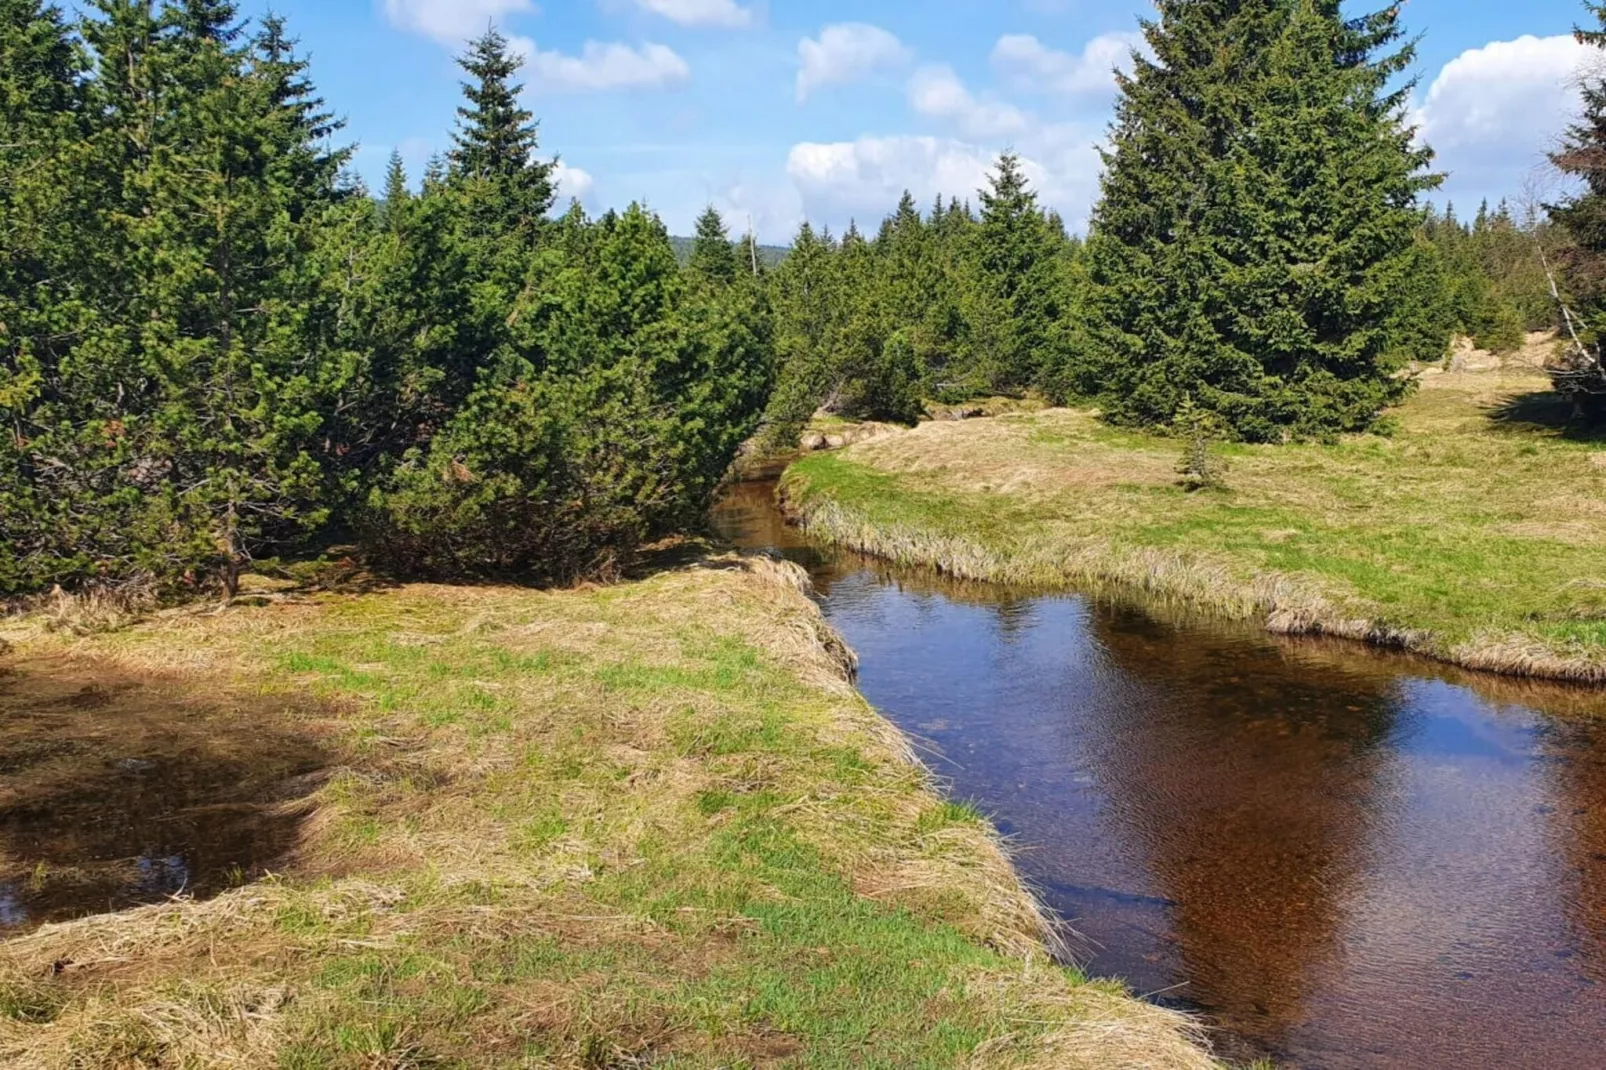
[937, 92]
[572, 183]
[451, 21]
[846, 52]
[1027, 63]
[863, 179]
[726, 13]
[602, 67]
[1492, 112]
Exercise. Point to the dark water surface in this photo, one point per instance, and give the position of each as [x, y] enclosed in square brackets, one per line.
[118, 790]
[1341, 858]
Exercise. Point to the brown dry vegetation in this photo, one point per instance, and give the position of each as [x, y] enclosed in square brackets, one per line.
[1475, 534]
[644, 823]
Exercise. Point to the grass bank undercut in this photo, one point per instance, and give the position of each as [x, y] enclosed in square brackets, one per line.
[1475, 534]
[606, 827]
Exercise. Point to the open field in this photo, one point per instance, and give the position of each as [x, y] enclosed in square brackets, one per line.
[1476, 533]
[651, 823]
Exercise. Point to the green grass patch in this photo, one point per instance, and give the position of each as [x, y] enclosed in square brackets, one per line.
[612, 827]
[1480, 536]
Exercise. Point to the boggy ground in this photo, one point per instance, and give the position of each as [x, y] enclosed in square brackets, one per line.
[1476, 533]
[650, 823]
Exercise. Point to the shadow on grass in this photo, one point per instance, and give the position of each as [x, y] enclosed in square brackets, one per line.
[1544, 412]
[123, 789]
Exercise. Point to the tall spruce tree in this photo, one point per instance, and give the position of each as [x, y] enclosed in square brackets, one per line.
[1256, 229]
[713, 258]
[44, 217]
[497, 139]
[1017, 253]
[1582, 155]
[241, 184]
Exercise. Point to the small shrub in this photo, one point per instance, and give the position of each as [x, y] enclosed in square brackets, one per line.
[1201, 467]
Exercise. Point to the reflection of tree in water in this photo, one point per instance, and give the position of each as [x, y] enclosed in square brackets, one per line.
[1252, 781]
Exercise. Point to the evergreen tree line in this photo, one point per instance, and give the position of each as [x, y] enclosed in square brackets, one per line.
[1261, 264]
[215, 347]
[950, 305]
[1257, 261]
[1490, 274]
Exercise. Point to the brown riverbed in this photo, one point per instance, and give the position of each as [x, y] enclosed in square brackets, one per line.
[1341, 858]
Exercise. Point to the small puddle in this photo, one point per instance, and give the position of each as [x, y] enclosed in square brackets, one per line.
[119, 790]
[1341, 858]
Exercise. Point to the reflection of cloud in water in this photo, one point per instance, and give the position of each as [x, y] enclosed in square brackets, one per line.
[12, 912]
[160, 877]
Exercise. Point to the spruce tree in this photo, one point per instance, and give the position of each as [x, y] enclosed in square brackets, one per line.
[396, 193]
[495, 145]
[44, 211]
[1255, 234]
[242, 182]
[713, 258]
[1021, 289]
[1582, 156]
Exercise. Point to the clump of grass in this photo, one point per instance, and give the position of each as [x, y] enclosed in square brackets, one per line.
[1472, 534]
[644, 823]
[91, 611]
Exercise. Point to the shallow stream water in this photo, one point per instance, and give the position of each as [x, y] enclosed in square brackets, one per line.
[1338, 857]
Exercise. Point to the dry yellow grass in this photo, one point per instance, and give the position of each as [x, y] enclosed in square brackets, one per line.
[651, 822]
[1475, 534]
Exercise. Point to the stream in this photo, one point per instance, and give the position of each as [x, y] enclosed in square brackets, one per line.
[1337, 857]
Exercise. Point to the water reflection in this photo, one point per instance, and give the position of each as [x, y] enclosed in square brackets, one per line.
[1254, 784]
[1344, 858]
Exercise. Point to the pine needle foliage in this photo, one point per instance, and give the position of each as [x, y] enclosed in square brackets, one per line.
[215, 347]
[1582, 156]
[1257, 221]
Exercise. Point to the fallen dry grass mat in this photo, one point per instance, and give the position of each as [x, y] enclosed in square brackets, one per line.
[648, 823]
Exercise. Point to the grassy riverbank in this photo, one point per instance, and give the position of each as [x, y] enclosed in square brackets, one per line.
[597, 828]
[1475, 534]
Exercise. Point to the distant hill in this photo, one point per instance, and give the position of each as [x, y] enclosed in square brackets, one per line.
[768, 255]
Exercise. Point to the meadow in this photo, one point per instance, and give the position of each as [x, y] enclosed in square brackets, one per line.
[1472, 531]
[651, 822]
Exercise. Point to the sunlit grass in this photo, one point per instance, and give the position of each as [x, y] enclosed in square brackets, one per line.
[1476, 532]
[648, 823]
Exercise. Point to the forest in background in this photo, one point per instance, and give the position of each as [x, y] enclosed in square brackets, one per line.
[216, 346]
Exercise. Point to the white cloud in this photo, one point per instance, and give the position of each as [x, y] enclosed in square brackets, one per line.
[937, 92]
[1029, 64]
[572, 183]
[608, 66]
[1487, 96]
[1493, 112]
[863, 179]
[846, 52]
[452, 21]
[774, 210]
[725, 13]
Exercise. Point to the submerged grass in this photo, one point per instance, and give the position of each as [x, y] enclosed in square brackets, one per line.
[651, 823]
[1475, 534]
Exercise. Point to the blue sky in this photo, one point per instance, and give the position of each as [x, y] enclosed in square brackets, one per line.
[784, 109]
